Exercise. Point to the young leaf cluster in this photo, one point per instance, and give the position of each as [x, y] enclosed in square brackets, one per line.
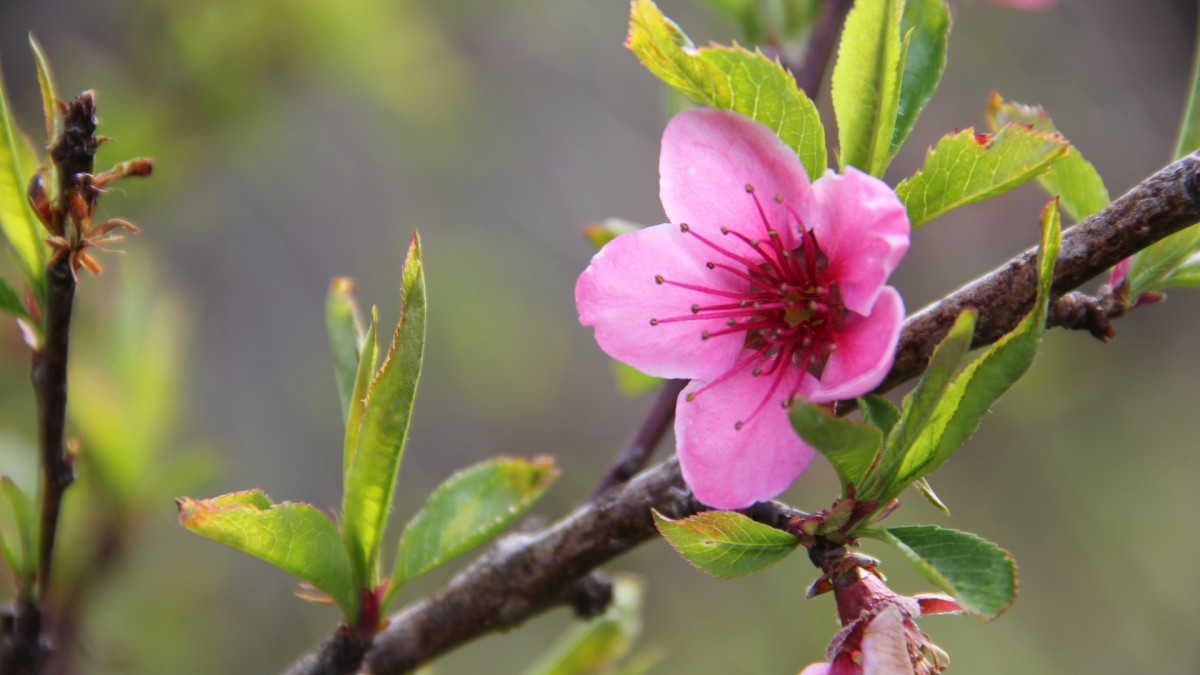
[342, 561]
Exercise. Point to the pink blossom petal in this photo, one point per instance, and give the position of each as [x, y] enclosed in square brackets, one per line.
[728, 468]
[619, 295]
[862, 228]
[817, 669]
[885, 644]
[708, 159]
[937, 603]
[865, 350]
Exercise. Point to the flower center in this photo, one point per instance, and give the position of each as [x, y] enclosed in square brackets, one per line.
[779, 297]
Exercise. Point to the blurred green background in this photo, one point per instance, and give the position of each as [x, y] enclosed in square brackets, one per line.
[296, 140]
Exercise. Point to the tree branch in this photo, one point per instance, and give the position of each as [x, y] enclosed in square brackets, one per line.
[524, 575]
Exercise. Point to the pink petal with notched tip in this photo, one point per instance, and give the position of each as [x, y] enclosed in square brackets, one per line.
[618, 295]
[862, 228]
[885, 644]
[729, 468]
[708, 158]
[866, 348]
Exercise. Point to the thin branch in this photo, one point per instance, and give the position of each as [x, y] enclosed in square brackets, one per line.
[635, 455]
[524, 575]
[820, 46]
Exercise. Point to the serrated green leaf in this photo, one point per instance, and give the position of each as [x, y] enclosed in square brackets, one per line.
[296, 538]
[851, 447]
[1072, 179]
[981, 576]
[729, 78]
[726, 544]
[370, 480]
[966, 167]
[984, 380]
[344, 323]
[471, 507]
[597, 645]
[879, 411]
[599, 234]
[866, 84]
[10, 301]
[927, 25]
[632, 382]
[18, 532]
[20, 225]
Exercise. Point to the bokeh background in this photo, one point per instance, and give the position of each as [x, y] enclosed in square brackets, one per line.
[296, 140]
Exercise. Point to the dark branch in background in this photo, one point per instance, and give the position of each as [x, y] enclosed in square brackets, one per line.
[1161, 205]
[633, 458]
[811, 72]
[524, 575]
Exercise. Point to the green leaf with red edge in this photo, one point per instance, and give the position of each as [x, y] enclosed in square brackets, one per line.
[866, 84]
[966, 167]
[18, 533]
[470, 508]
[970, 396]
[729, 78]
[1072, 179]
[370, 477]
[980, 575]
[926, 27]
[726, 544]
[296, 538]
[851, 447]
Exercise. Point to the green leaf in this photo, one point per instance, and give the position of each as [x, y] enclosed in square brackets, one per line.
[18, 532]
[981, 576]
[367, 359]
[926, 25]
[851, 447]
[1155, 264]
[866, 84]
[918, 405]
[598, 645]
[370, 480]
[1189, 128]
[296, 538]
[984, 380]
[20, 225]
[10, 302]
[344, 323]
[632, 382]
[1186, 275]
[1073, 179]
[966, 167]
[879, 411]
[729, 78]
[471, 507]
[726, 544]
[54, 120]
[930, 496]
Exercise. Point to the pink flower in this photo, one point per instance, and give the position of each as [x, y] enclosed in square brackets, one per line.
[762, 289]
[879, 635]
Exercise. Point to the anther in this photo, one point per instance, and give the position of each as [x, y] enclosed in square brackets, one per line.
[778, 199]
[653, 322]
[749, 188]
[691, 397]
[658, 279]
[684, 227]
[695, 309]
[703, 335]
[710, 265]
[738, 426]
[730, 322]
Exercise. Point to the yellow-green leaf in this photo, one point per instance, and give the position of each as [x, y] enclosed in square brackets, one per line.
[966, 167]
[866, 84]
